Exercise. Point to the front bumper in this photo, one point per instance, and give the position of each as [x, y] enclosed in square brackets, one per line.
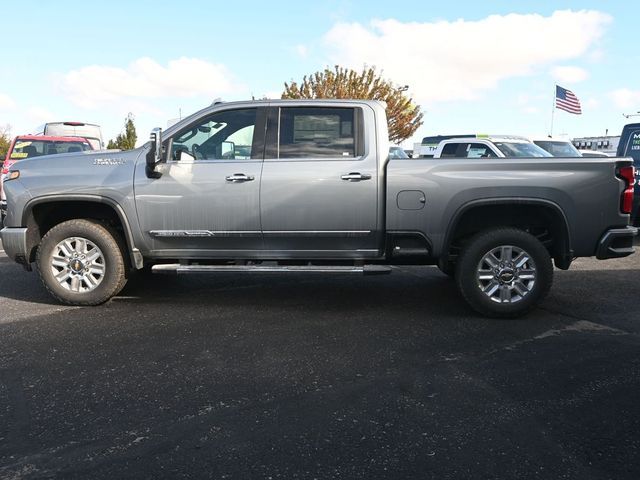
[616, 243]
[14, 243]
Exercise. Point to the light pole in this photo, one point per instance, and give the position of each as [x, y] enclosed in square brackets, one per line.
[629, 115]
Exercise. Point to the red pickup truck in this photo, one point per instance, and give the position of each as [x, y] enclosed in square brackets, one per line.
[27, 146]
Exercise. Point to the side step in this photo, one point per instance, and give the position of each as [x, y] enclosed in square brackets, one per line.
[176, 268]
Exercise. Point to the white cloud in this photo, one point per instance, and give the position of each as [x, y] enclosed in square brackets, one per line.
[591, 103]
[626, 98]
[6, 102]
[38, 115]
[96, 85]
[569, 74]
[302, 51]
[458, 60]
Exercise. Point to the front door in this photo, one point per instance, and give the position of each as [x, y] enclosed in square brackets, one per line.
[319, 189]
[206, 203]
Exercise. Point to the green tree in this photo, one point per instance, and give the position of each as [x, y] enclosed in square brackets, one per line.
[5, 141]
[126, 140]
[403, 115]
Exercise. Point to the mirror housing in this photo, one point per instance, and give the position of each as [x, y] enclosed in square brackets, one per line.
[154, 155]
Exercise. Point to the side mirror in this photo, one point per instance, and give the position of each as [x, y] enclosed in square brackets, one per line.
[154, 155]
[227, 150]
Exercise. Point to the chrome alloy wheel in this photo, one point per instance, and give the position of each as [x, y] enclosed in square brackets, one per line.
[506, 274]
[78, 264]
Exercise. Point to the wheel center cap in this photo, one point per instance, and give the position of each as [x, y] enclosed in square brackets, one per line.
[507, 275]
[76, 266]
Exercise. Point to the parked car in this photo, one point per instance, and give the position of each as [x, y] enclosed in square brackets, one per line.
[489, 147]
[558, 147]
[629, 146]
[428, 146]
[88, 131]
[318, 193]
[29, 146]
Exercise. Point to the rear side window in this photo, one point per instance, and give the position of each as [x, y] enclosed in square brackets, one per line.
[319, 132]
[449, 150]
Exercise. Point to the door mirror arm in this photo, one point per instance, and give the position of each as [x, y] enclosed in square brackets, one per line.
[154, 155]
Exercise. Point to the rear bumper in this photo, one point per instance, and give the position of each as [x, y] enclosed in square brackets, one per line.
[616, 243]
[14, 242]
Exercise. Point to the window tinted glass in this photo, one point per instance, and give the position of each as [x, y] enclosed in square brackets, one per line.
[478, 150]
[521, 149]
[558, 149]
[449, 150]
[223, 136]
[317, 132]
[397, 152]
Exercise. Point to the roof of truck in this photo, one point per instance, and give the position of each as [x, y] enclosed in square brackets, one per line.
[50, 138]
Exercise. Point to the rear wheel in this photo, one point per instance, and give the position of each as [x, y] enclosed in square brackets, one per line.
[504, 272]
[80, 262]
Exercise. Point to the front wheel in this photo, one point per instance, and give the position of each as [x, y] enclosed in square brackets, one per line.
[80, 262]
[504, 272]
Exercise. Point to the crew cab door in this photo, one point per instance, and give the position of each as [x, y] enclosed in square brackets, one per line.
[319, 193]
[207, 202]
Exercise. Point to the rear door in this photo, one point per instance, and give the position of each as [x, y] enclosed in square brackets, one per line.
[319, 192]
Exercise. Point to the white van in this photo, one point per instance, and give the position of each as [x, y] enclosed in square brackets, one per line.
[90, 131]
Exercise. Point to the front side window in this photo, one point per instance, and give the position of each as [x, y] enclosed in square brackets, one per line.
[521, 149]
[226, 135]
[478, 150]
[317, 132]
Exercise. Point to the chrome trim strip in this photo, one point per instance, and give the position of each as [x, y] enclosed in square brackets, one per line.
[351, 233]
[229, 233]
[201, 233]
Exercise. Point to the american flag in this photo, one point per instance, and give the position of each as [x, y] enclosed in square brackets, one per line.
[567, 101]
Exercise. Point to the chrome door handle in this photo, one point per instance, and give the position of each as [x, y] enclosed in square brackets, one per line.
[355, 176]
[239, 177]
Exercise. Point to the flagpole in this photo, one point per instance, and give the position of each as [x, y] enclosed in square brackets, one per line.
[553, 109]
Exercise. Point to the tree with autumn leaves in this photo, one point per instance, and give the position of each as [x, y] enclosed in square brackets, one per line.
[404, 116]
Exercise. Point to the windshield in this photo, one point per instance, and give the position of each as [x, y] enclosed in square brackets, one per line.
[36, 148]
[397, 152]
[521, 149]
[558, 148]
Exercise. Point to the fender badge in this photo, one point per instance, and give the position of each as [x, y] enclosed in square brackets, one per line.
[108, 161]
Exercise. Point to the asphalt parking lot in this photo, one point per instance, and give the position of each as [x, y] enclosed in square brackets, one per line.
[312, 376]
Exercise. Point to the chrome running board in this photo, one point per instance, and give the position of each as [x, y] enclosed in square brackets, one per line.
[176, 268]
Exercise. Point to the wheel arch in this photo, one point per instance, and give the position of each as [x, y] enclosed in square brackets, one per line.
[476, 215]
[42, 213]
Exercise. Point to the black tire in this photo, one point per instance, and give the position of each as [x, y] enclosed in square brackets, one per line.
[528, 293]
[112, 262]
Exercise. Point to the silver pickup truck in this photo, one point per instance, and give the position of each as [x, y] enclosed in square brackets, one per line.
[294, 186]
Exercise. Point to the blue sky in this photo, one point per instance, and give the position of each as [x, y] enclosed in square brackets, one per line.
[487, 67]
